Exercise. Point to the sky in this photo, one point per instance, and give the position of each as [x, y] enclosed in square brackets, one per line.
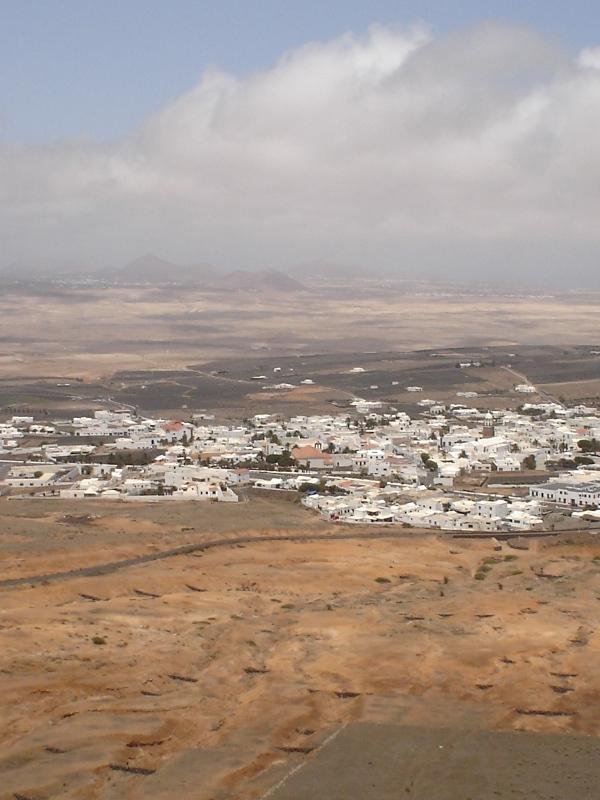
[445, 138]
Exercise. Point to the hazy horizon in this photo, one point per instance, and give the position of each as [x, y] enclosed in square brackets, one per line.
[465, 154]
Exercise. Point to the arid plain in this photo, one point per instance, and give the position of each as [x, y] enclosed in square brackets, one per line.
[93, 332]
[176, 349]
[217, 673]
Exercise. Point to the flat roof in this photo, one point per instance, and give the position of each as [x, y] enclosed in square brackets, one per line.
[571, 487]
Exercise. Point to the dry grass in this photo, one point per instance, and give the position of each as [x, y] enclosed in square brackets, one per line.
[217, 669]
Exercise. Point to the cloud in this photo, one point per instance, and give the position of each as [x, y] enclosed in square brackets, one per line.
[590, 57]
[474, 153]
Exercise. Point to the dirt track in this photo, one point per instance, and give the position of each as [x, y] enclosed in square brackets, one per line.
[112, 566]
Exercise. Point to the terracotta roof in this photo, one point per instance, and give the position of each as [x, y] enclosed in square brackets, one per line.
[175, 425]
[304, 453]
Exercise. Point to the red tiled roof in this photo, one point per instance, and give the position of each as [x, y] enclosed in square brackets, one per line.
[308, 452]
[174, 425]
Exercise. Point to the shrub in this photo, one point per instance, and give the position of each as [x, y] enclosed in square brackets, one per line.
[98, 640]
[588, 445]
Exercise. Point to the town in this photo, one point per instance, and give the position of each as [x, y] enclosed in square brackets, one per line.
[449, 467]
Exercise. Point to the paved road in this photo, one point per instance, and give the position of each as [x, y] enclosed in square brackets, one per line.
[113, 566]
[365, 761]
[548, 398]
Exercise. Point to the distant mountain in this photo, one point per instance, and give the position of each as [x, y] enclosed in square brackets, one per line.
[153, 269]
[265, 280]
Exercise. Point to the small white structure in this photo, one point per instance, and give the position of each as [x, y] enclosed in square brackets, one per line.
[525, 388]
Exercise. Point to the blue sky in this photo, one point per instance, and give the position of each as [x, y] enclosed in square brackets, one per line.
[99, 68]
[463, 145]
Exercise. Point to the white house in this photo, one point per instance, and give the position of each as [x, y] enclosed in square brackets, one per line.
[491, 509]
[525, 388]
[566, 494]
[206, 490]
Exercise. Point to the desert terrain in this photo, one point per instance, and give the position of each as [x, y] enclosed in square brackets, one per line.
[177, 349]
[93, 332]
[237, 671]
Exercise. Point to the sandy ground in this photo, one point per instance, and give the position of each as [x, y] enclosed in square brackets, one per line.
[214, 675]
[91, 333]
[67, 351]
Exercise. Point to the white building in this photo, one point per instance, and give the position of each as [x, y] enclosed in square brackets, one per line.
[567, 494]
[525, 388]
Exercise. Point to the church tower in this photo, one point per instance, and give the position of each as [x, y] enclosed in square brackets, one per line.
[488, 426]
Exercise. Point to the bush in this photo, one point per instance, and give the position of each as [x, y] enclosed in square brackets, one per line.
[98, 640]
[307, 487]
[382, 580]
[567, 463]
[482, 572]
[583, 460]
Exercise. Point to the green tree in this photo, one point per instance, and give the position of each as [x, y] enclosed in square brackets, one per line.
[286, 459]
[589, 445]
